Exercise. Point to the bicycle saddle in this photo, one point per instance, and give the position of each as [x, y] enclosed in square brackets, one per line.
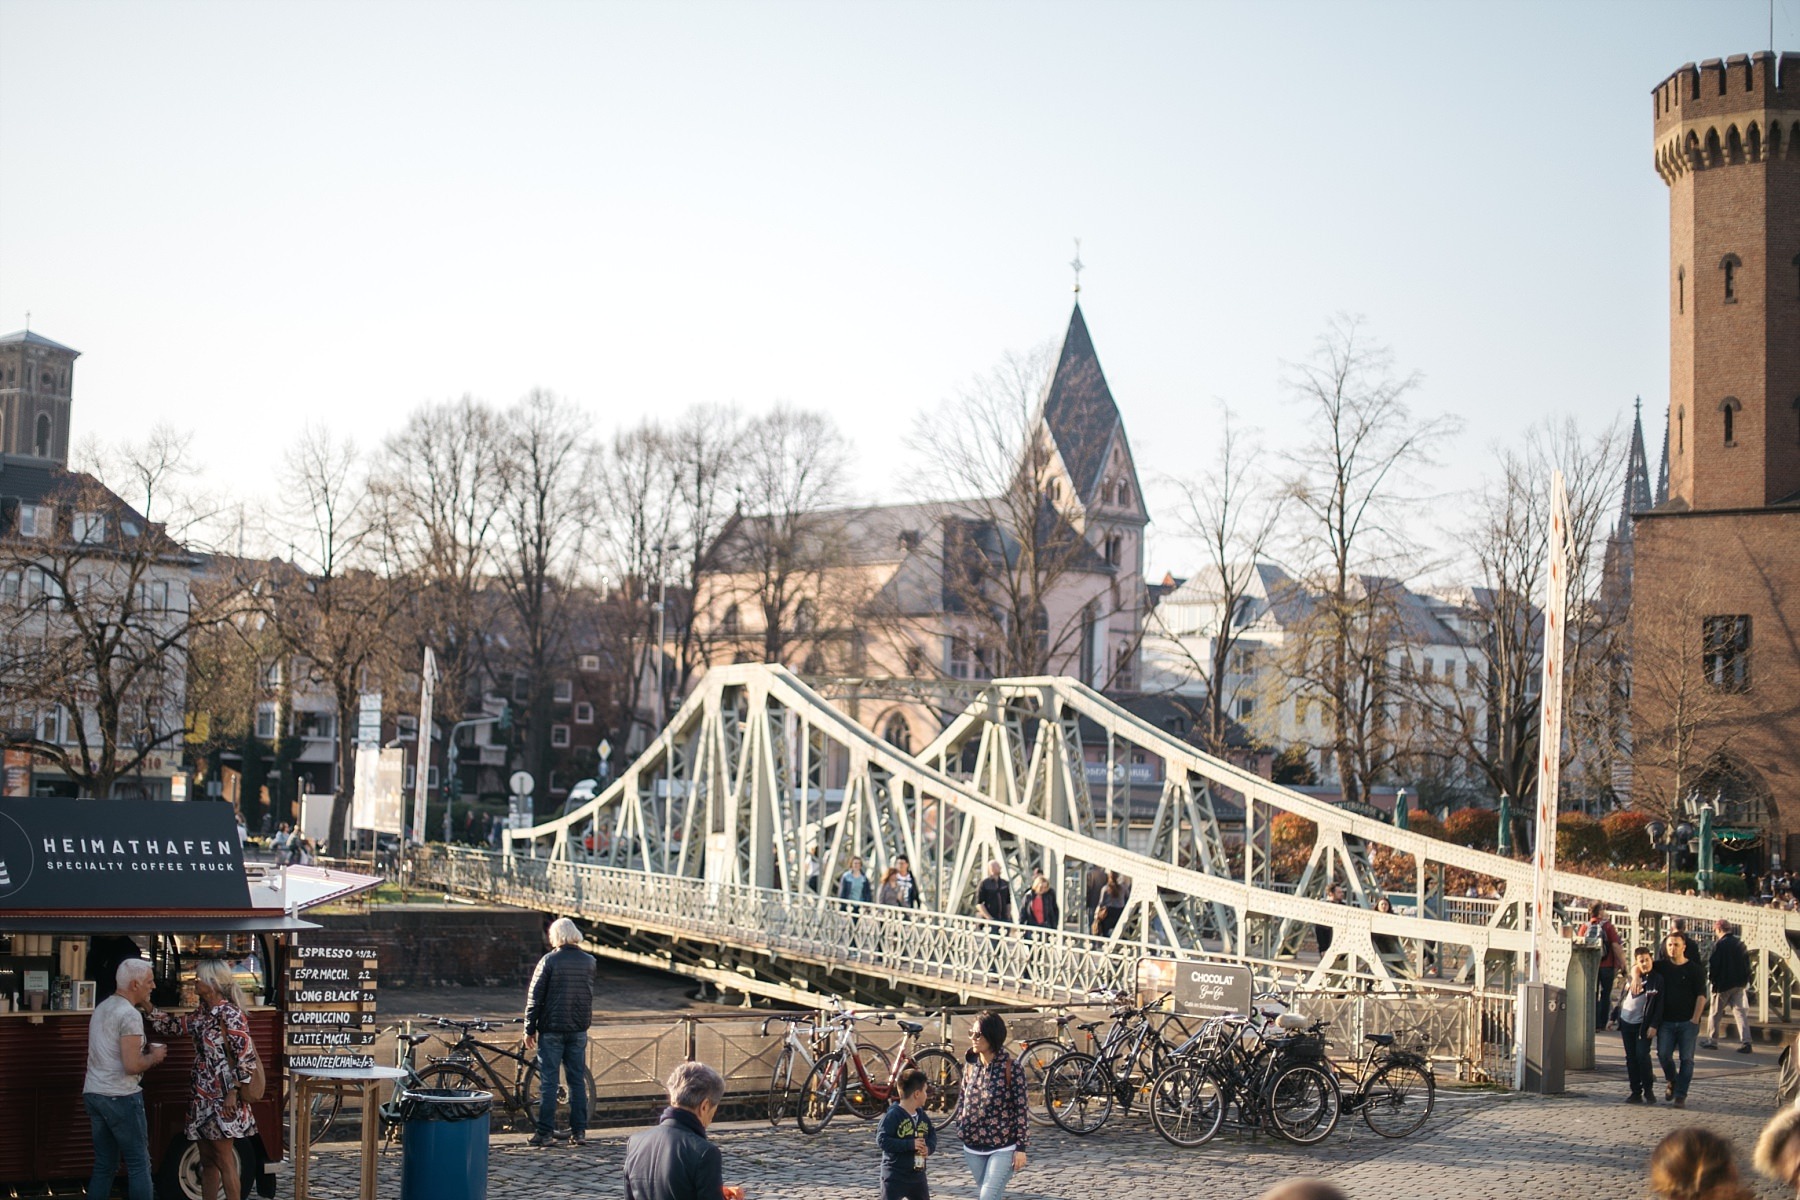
[413, 1039]
[1380, 1039]
[1291, 1021]
[1090, 1026]
[910, 1026]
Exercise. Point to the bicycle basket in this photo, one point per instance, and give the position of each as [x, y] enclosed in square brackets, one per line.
[1309, 1047]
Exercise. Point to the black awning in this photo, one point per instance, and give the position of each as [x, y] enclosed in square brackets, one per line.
[74, 923]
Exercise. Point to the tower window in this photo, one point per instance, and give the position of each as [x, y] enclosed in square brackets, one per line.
[1681, 430]
[731, 622]
[43, 435]
[1115, 549]
[1725, 652]
[1681, 289]
[1729, 407]
[1729, 265]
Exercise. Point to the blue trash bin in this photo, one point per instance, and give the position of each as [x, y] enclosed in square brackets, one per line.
[444, 1145]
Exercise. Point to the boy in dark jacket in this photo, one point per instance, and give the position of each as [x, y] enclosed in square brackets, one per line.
[906, 1139]
[1640, 1010]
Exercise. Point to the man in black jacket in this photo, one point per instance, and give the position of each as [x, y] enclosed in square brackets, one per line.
[676, 1160]
[558, 1010]
[1728, 969]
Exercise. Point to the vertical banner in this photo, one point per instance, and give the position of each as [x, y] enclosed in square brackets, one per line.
[1550, 713]
[422, 757]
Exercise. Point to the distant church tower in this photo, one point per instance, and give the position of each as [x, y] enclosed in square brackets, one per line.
[36, 377]
[1095, 484]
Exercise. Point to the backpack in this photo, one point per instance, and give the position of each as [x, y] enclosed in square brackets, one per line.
[1610, 956]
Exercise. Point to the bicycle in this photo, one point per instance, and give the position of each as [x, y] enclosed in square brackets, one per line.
[326, 1107]
[1036, 1055]
[830, 1084]
[468, 1065]
[1396, 1089]
[1080, 1089]
[1272, 1068]
[799, 1053]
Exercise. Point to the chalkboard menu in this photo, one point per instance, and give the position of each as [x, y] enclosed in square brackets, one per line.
[330, 1006]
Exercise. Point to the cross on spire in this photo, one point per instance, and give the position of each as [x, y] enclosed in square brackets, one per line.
[1076, 264]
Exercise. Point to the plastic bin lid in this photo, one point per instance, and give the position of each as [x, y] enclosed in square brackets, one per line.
[447, 1104]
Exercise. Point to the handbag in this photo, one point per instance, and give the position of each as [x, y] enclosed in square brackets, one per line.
[258, 1083]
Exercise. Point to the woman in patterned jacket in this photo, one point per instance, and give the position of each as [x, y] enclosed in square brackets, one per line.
[993, 1117]
[223, 1058]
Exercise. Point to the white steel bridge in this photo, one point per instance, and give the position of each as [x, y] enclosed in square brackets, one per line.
[696, 860]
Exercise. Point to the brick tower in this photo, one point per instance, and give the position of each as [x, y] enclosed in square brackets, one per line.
[1715, 693]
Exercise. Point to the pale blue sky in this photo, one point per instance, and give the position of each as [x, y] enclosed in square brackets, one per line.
[249, 215]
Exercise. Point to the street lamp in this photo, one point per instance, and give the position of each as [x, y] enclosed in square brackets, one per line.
[1667, 839]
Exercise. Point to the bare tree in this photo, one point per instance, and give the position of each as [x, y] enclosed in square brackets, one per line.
[1349, 492]
[705, 449]
[440, 490]
[547, 528]
[1227, 512]
[336, 606]
[637, 485]
[98, 614]
[1005, 544]
[777, 557]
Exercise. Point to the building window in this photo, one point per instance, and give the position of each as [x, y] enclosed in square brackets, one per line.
[265, 722]
[1115, 549]
[915, 662]
[35, 520]
[897, 733]
[1681, 430]
[1729, 407]
[590, 662]
[1469, 674]
[317, 726]
[1681, 289]
[564, 691]
[1730, 265]
[732, 621]
[406, 728]
[1725, 652]
[814, 664]
[584, 713]
[521, 688]
[153, 596]
[43, 435]
[559, 735]
[1245, 707]
[806, 617]
[1425, 668]
[87, 528]
[960, 658]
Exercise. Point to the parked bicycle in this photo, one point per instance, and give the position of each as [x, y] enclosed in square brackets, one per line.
[1081, 1090]
[509, 1074]
[327, 1106]
[841, 1078]
[801, 1047]
[1270, 1067]
[1036, 1055]
[1396, 1089]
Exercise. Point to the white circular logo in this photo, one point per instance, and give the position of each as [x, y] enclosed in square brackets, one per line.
[17, 859]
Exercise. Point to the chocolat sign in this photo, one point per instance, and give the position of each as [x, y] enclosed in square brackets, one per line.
[1212, 989]
[97, 855]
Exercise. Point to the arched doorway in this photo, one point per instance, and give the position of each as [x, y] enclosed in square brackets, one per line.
[1746, 825]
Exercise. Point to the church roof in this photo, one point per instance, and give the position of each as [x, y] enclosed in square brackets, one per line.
[1079, 408]
[34, 339]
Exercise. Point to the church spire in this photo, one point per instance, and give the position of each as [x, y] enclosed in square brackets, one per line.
[1637, 497]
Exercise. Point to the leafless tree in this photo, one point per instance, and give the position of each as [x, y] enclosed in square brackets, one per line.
[439, 489]
[547, 527]
[777, 556]
[1228, 511]
[1349, 492]
[97, 614]
[335, 607]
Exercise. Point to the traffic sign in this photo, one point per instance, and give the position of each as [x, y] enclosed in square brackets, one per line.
[521, 783]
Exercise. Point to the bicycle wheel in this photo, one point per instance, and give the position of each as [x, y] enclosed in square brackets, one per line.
[1398, 1099]
[821, 1094]
[1186, 1105]
[866, 1101]
[1302, 1103]
[523, 1115]
[943, 1084]
[784, 1084]
[1078, 1093]
[322, 1114]
[1035, 1059]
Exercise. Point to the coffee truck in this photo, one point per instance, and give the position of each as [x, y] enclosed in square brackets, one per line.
[85, 884]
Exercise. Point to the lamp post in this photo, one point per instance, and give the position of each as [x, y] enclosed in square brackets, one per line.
[1668, 838]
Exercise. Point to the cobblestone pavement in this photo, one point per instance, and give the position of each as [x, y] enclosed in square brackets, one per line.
[1478, 1146]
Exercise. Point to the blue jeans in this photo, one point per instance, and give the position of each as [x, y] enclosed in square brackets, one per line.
[1669, 1036]
[1637, 1059]
[992, 1173]
[121, 1133]
[569, 1051]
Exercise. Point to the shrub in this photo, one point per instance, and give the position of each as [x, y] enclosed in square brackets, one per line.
[1627, 843]
[1291, 839]
[1580, 840]
[1473, 827]
[1420, 821]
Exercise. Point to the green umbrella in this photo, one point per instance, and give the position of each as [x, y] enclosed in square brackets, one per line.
[1505, 845]
[1401, 821]
[1704, 876]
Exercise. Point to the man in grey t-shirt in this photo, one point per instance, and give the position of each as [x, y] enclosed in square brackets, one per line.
[117, 1059]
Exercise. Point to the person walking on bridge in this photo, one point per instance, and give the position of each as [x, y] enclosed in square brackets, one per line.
[559, 1008]
[1684, 999]
[1728, 967]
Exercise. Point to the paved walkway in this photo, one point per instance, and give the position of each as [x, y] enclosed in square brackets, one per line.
[1479, 1146]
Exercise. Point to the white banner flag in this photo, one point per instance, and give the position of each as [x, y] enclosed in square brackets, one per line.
[1549, 767]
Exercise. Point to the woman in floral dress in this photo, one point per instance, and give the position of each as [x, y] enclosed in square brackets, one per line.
[223, 1058]
[992, 1116]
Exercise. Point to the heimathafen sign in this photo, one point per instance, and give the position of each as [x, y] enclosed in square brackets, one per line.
[97, 855]
[1212, 989]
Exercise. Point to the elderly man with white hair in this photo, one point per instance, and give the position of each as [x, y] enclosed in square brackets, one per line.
[112, 1093]
[676, 1160]
[558, 1010]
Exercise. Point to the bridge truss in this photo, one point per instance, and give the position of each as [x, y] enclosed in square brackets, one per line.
[704, 842]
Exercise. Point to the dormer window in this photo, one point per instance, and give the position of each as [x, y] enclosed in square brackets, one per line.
[35, 520]
[87, 528]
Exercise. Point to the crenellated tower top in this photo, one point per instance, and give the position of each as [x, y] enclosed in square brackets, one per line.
[1745, 108]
